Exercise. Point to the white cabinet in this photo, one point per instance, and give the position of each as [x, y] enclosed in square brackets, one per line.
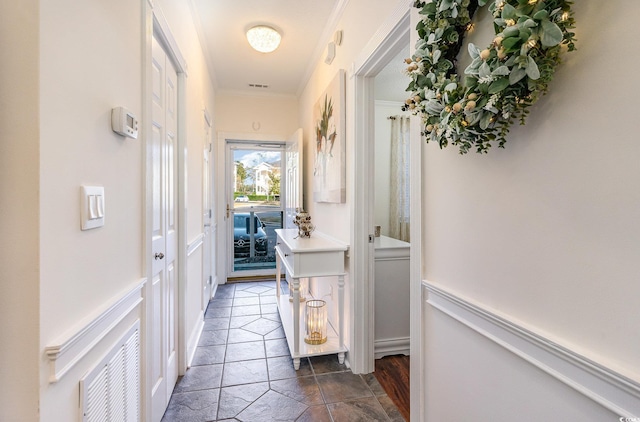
[392, 297]
[317, 256]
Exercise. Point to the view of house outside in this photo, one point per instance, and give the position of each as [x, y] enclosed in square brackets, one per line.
[257, 175]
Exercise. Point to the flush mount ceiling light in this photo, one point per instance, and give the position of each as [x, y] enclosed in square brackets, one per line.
[263, 38]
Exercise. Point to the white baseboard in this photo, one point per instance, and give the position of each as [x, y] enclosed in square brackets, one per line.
[391, 346]
[604, 386]
[194, 339]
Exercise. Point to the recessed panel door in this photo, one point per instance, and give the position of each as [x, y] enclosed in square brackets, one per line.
[164, 286]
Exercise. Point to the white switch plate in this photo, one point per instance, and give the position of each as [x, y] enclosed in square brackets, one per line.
[91, 207]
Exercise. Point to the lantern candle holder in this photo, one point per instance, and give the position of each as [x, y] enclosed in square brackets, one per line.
[315, 321]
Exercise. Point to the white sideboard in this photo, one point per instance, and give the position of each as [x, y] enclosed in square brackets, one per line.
[317, 256]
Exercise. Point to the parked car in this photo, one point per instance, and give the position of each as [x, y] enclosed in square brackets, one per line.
[242, 198]
[242, 238]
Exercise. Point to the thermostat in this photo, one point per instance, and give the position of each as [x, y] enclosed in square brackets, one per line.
[124, 122]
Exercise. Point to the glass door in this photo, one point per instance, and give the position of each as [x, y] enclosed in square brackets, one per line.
[254, 206]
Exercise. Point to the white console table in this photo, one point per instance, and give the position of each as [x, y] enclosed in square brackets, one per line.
[317, 256]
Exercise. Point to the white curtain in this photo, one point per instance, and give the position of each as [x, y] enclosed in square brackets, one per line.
[399, 183]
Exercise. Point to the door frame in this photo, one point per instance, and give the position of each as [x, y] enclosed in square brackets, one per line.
[220, 201]
[154, 23]
[231, 145]
[209, 227]
[396, 30]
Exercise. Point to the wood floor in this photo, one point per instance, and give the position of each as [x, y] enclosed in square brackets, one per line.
[392, 372]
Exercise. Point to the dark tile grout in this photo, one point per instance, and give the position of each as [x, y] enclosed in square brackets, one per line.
[228, 295]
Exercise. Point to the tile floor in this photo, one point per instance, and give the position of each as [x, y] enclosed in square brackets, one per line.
[242, 371]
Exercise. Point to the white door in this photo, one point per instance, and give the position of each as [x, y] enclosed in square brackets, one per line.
[293, 178]
[208, 232]
[254, 206]
[164, 282]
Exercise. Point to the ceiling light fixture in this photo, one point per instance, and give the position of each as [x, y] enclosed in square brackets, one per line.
[263, 38]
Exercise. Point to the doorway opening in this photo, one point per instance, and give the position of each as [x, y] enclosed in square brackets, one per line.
[254, 207]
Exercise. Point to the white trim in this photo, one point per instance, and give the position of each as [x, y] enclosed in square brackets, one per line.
[327, 35]
[381, 48]
[389, 33]
[207, 117]
[391, 104]
[601, 384]
[71, 347]
[155, 25]
[391, 346]
[224, 258]
[417, 364]
[163, 33]
[195, 244]
[194, 339]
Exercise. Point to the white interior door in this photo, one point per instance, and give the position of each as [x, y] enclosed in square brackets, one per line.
[293, 179]
[164, 280]
[207, 231]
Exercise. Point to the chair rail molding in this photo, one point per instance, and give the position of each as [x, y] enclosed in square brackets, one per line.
[195, 244]
[599, 383]
[67, 351]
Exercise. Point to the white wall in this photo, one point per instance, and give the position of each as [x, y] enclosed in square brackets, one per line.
[19, 211]
[90, 61]
[544, 232]
[359, 21]
[69, 64]
[259, 114]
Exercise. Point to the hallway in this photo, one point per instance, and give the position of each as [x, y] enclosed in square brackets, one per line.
[242, 371]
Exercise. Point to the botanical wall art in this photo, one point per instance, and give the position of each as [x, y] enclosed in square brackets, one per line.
[503, 80]
[329, 172]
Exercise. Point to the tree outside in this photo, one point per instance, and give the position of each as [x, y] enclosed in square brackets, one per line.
[274, 183]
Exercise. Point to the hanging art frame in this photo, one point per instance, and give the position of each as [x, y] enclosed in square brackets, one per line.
[329, 168]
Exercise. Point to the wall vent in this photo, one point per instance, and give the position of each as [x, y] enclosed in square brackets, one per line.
[259, 85]
[111, 390]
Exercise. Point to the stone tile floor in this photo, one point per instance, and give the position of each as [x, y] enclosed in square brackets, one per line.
[242, 371]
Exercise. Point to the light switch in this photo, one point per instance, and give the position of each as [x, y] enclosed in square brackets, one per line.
[100, 205]
[91, 207]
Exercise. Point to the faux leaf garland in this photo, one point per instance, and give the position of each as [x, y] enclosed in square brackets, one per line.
[502, 81]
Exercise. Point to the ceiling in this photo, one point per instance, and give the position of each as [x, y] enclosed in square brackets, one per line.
[306, 27]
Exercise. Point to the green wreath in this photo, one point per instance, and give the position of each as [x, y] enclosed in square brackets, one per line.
[502, 81]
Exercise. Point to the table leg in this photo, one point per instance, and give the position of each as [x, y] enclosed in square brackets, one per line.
[278, 277]
[296, 317]
[341, 311]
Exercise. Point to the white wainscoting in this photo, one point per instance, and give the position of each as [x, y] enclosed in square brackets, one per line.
[195, 244]
[70, 348]
[111, 390]
[604, 386]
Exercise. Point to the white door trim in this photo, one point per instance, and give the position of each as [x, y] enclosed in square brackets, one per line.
[154, 23]
[398, 28]
[376, 55]
[221, 189]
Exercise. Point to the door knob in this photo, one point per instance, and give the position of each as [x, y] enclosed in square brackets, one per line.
[159, 255]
